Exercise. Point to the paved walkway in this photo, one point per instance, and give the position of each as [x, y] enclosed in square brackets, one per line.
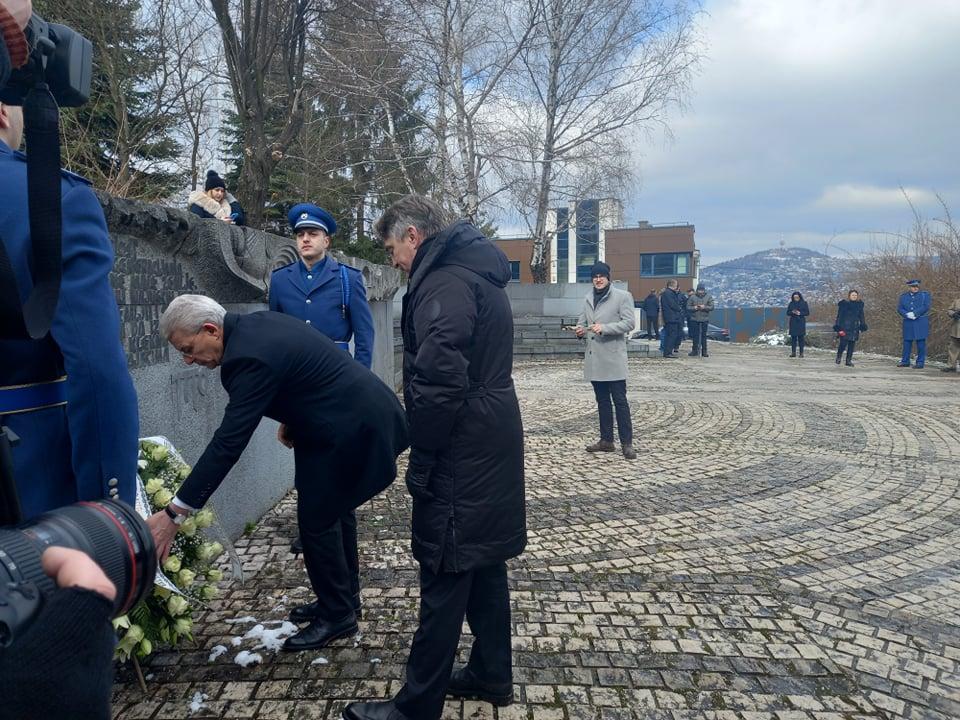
[785, 548]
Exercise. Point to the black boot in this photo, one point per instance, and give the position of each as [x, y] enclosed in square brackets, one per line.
[373, 711]
[464, 684]
[839, 356]
[793, 354]
[319, 634]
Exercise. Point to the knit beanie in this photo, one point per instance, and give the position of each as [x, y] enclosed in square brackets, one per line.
[600, 268]
[214, 181]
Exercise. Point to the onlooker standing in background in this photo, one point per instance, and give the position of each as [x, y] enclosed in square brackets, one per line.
[699, 307]
[953, 349]
[606, 320]
[797, 312]
[651, 308]
[914, 308]
[850, 323]
[672, 311]
[684, 299]
[215, 202]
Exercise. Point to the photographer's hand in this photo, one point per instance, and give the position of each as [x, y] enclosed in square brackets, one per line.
[73, 568]
[164, 531]
[283, 437]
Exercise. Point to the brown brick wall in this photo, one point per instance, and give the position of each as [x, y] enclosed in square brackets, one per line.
[520, 250]
[626, 245]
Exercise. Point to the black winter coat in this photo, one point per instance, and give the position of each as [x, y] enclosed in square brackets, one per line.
[651, 305]
[798, 323]
[468, 505]
[671, 306]
[346, 425]
[850, 319]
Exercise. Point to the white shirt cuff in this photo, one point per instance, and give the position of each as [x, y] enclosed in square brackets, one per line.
[181, 504]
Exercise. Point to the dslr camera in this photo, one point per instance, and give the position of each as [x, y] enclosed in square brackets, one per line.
[61, 57]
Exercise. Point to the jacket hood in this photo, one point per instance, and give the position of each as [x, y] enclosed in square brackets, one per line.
[463, 245]
[796, 292]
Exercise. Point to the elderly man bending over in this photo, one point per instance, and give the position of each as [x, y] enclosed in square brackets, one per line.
[345, 426]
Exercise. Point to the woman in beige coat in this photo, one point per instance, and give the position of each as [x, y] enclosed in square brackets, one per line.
[606, 321]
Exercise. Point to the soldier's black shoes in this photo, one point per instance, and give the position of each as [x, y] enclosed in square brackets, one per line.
[311, 611]
[373, 711]
[319, 634]
[628, 452]
[464, 684]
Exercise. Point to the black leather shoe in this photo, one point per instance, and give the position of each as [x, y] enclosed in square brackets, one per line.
[311, 612]
[319, 634]
[705, 355]
[464, 684]
[372, 711]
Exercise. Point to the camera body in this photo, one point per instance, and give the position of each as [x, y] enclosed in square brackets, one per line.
[60, 56]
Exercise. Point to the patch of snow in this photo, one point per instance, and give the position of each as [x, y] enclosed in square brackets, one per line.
[320, 661]
[271, 639]
[245, 658]
[197, 703]
[244, 619]
[216, 651]
[236, 641]
[374, 660]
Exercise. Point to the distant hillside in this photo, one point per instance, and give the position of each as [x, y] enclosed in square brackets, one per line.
[768, 277]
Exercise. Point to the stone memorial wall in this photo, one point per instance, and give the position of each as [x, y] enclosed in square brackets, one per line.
[161, 253]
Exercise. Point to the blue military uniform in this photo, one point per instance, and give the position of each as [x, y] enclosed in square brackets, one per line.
[329, 296]
[918, 328]
[69, 396]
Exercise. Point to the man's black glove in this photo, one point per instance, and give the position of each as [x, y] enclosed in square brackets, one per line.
[419, 468]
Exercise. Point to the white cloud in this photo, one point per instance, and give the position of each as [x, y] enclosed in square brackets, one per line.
[806, 120]
[850, 197]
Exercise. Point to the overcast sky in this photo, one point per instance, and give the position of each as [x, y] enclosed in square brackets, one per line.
[806, 120]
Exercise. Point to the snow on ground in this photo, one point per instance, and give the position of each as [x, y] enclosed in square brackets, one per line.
[245, 658]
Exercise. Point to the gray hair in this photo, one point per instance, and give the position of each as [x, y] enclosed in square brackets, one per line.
[420, 212]
[188, 313]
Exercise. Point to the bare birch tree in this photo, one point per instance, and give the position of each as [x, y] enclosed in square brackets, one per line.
[594, 70]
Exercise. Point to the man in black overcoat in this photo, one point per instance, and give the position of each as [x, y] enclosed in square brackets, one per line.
[346, 428]
[466, 457]
[672, 309]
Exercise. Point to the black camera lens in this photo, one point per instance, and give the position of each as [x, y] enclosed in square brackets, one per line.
[110, 532]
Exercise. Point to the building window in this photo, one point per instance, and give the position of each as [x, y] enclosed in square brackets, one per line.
[563, 244]
[514, 271]
[664, 264]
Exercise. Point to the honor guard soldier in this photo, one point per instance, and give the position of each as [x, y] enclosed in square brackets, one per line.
[69, 396]
[330, 297]
[326, 294]
[914, 308]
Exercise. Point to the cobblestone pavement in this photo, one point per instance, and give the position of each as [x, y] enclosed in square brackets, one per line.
[785, 548]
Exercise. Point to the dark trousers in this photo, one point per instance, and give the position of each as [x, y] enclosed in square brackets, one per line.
[652, 328]
[618, 389]
[480, 594]
[673, 331]
[847, 345]
[330, 556]
[921, 351]
[795, 340]
[698, 335]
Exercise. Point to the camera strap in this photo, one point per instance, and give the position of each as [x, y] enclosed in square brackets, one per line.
[33, 318]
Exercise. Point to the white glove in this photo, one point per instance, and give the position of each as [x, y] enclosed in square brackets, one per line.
[911, 316]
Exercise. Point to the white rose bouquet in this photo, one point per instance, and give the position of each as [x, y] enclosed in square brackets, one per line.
[166, 617]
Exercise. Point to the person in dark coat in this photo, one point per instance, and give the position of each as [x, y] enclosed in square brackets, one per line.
[346, 428]
[797, 312]
[684, 299]
[850, 323]
[651, 308]
[215, 202]
[466, 457]
[672, 309]
[68, 396]
[914, 308]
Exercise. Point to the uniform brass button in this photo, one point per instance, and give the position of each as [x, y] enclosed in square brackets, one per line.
[309, 301]
[112, 482]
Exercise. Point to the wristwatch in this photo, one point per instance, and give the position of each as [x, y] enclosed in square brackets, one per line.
[176, 517]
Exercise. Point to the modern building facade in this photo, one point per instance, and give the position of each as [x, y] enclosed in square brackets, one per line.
[644, 256]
